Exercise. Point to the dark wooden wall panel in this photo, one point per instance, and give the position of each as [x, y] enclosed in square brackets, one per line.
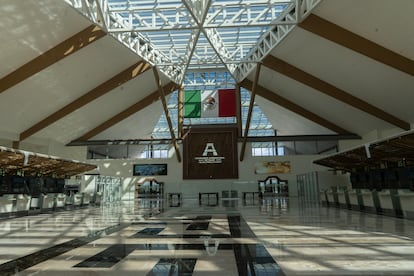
[221, 139]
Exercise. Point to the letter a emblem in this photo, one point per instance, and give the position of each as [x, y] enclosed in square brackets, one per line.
[210, 148]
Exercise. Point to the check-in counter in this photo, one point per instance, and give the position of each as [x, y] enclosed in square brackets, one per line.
[97, 198]
[76, 200]
[355, 199]
[22, 204]
[330, 196]
[368, 201]
[47, 202]
[7, 204]
[377, 202]
[384, 197]
[343, 198]
[335, 191]
[86, 199]
[323, 197]
[407, 203]
[396, 203]
[35, 203]
[60, 200]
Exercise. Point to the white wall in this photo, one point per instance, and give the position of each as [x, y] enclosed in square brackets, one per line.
[174, 182]
[328, 179]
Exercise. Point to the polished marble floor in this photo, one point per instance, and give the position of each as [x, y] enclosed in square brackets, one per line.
[230, 237]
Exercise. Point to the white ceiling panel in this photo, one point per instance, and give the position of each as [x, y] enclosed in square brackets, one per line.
[61, 83]
[387, 23]
[286, 122]
[137, 126]
[98, 111]
[337, 112]
[352, 72]
[29, 28]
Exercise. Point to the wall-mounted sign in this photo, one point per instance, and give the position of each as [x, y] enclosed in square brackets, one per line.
[272, 167]
[150, 169]
[210, 153]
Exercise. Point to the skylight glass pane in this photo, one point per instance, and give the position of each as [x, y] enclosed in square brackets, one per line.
[226, 30]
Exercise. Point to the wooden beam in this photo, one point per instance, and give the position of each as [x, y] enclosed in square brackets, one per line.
[238, 110]
[16, 144]
[292, 72]
[249, 114]
[180, 111]
[121, 78]
[141, 104]
[283, 102]
[167, 113]
[341, 36]
[64, 49]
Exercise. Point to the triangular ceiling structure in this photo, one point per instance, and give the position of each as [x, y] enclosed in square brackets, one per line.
[191, 34]
[335, 73]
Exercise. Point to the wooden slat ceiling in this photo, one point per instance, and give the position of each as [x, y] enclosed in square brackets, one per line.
[396, 151]
[34, 164]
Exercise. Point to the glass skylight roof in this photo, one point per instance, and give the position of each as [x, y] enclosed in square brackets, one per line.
[196, 34]
[180, 36]
[201, 44]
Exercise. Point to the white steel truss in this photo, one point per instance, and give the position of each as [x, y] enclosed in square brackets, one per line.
[295, 14]
[180, 36]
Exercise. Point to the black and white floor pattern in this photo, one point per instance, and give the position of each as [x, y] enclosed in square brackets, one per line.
[147, 237]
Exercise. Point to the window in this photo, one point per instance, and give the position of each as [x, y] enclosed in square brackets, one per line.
[264, 149]
[146, 151]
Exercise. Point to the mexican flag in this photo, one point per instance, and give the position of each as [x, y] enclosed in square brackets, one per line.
[208, 104]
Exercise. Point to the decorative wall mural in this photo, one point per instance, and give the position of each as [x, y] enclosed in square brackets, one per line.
[272, 167]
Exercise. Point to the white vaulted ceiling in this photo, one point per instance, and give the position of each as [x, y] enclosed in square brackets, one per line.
[53, 98]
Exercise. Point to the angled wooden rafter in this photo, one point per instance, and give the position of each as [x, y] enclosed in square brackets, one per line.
[279, 100]
[249, 113]
[238, 110]
[180, 111]
[167, 113]
[62, 50]
[341, 36]
[141, 104]
[297, 74]
[119, 79]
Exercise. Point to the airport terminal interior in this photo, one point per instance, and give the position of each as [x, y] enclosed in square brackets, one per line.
[206, 137]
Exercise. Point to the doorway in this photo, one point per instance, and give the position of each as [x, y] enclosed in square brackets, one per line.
[149, 187]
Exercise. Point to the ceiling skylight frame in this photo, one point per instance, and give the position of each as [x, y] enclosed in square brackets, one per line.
[135, 22]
